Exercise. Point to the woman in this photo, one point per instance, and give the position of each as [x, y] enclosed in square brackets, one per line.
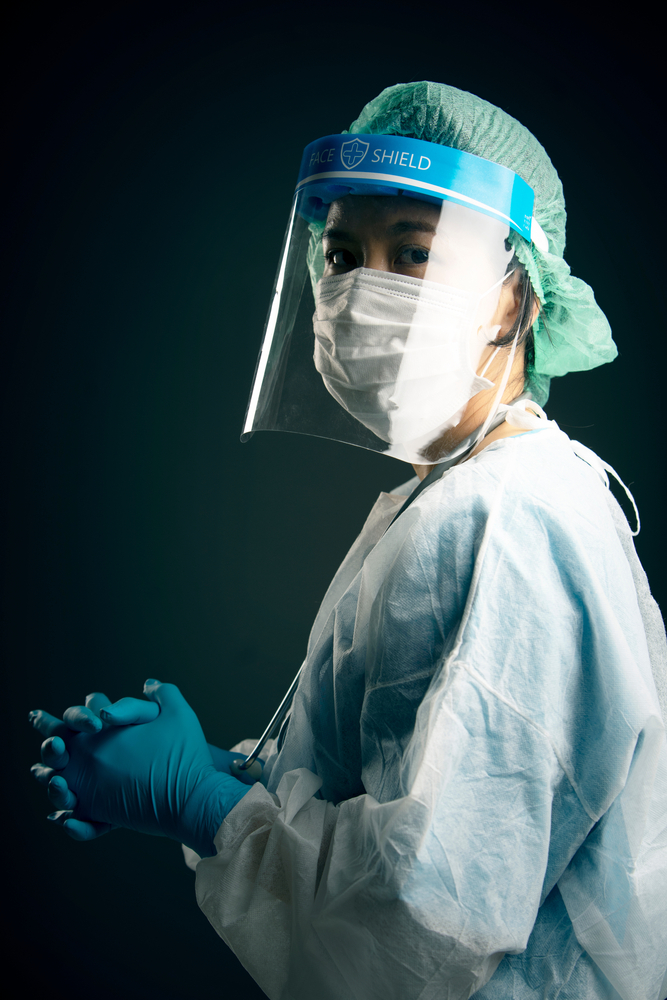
[469, 795]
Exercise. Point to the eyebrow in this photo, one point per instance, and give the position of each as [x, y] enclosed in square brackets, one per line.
[398, 228]
[337, 234]
[412, 226]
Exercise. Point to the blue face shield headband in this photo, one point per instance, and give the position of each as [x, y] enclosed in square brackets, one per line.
[339, 165]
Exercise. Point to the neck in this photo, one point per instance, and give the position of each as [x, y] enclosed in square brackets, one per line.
[478, 410]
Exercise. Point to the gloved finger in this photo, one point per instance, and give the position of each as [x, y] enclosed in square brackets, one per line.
[82, 719]
[248, 775]
[222, 759]
[166, 695]
[130, 711]
[60, 795]
[227, 761]
[47, 724]
[79, 829]
[54, 753]
[96, 701]
[41, 773]
[59, 817]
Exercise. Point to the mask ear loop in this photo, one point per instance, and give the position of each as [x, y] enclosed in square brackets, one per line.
[483, 296]
[505, 379]
[486, 366]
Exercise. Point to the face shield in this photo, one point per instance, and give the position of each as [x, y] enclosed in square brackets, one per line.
[389, 295]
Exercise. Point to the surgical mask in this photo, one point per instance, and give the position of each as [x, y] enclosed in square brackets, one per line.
[400, 353]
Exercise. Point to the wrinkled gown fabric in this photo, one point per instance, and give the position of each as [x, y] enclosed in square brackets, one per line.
[471, 796]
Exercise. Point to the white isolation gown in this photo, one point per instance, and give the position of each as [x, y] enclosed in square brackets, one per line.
[473, 783]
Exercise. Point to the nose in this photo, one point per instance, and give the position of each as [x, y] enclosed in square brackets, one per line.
[377, 259]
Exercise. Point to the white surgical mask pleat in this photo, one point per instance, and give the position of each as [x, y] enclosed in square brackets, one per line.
[394, 351]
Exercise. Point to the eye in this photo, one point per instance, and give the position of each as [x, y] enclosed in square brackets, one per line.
[412, 257]
[341, 259]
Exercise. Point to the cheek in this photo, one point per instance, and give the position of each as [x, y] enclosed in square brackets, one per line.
[451, 267]
[487, 314]
[503, 310]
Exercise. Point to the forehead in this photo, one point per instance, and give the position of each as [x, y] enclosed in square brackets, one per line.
[379, 210]
[363, 215]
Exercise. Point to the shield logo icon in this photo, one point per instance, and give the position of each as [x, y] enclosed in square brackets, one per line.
[353, 152]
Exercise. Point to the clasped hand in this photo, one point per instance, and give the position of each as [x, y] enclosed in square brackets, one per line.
[143, 765]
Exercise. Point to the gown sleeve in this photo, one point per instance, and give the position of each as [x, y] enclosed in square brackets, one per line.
[536, 714]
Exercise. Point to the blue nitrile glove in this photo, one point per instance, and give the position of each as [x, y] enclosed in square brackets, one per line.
[87, 719]
[84, 719]
[156, 778]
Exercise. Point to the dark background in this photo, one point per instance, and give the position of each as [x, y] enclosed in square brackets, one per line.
[153, 149]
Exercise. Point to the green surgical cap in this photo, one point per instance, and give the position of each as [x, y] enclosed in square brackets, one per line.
[576, 335]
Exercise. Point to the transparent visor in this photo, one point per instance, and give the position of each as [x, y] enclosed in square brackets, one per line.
[382, 324]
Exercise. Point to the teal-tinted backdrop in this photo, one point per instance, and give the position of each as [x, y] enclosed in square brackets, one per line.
[153, 149]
